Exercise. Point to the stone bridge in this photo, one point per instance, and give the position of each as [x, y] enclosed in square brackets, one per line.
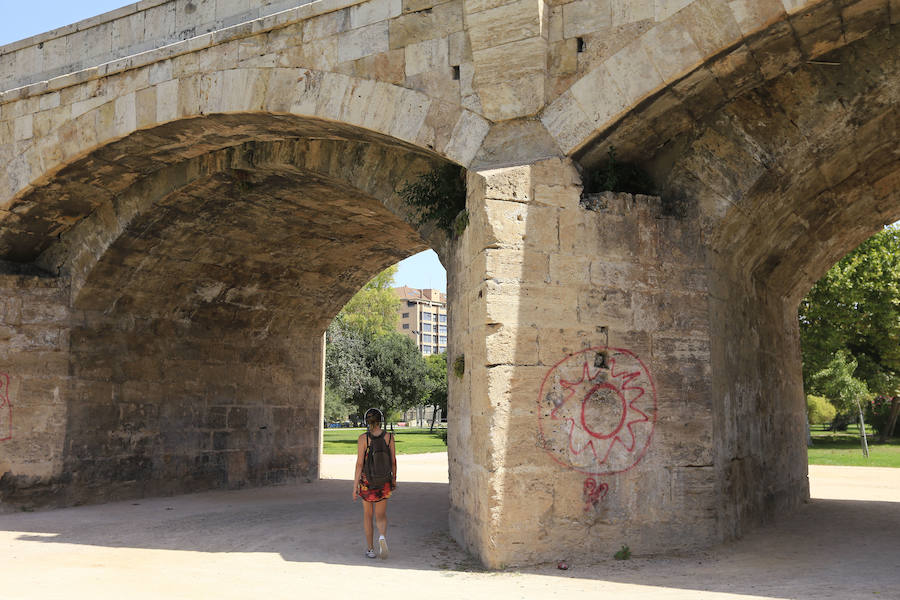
[191, 190]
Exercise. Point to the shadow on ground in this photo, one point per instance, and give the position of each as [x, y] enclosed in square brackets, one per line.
[826, 549]
[315, 522]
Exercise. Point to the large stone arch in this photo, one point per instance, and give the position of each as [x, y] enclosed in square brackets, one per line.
[101, 111]
[95, 198]
[192, 286]
[778, 180]
[689, 63]
[787, 179]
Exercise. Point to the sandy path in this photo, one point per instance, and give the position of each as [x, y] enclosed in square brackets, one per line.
[304, 541]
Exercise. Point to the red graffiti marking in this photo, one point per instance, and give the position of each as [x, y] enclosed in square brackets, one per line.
[593, 493]
[5, 409]
[596, 414]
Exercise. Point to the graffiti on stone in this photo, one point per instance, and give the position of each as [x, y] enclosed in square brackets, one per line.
[5, 409]
[596, 415]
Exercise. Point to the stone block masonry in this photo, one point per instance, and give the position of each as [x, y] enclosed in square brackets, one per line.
[35, 322]
[599, 374]
[191, 189]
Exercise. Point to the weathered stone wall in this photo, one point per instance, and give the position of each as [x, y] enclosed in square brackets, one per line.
[34, 380]
[166, 406]
[759, 403]
[555, 454]
[130, 30]
[200, 292]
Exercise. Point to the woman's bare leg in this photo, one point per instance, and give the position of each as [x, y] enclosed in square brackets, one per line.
[367, 524]
[381, 516]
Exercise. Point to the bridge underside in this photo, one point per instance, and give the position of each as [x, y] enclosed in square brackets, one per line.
[187, 350]
[632, 363]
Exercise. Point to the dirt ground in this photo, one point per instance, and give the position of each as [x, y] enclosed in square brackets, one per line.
[305, 541]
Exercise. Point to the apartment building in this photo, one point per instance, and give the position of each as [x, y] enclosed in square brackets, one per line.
[423, 317]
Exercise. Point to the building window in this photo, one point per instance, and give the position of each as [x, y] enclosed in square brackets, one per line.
[442, 329]
[443, 340]
[426, 349]
[410, 303]
[426, 316]
[406, 326]
[426, 339]
[405, 315]
[426, 327]
[443, 318]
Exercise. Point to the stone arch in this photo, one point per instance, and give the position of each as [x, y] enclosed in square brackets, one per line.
[792, 175]
[782, 181]
[204, 260]
[100, 112]
[93, 201]
[701, 58]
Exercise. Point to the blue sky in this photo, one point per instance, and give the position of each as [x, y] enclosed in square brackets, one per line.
[25, 19]
[423, 270]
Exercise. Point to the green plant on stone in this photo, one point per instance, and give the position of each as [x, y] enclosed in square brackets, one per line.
[459, 365]
[440, 198]
[460, 222]
[623, 554]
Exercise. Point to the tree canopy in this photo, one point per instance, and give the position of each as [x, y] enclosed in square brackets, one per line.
[850, 323]
[368, 362]
[436, 374]
[397, 376]
[373, 309]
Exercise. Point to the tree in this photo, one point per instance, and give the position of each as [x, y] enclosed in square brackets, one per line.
[373, 309]
[854, 311]
[345, 366]
[370, 313]
[819, 410]
[436, 373]
[397, 376]
[336, 408]
[837, 383]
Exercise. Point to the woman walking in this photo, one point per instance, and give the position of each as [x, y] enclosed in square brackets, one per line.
[375, 479]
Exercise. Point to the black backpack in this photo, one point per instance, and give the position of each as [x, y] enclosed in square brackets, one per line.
[377, 464]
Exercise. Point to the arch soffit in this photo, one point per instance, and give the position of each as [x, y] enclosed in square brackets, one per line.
[355, 169]
[796, 173]
[701, 66]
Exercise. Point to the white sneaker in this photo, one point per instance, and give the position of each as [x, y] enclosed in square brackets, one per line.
[382, 548]
[370, 553]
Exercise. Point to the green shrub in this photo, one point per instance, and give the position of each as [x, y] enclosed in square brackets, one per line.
[819, 410]
[439, 196]
[623, 554]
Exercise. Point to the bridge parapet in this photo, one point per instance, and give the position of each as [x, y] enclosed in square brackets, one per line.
[143, 27]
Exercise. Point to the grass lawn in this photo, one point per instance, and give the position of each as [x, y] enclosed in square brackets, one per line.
[842, 448]
[410, 440]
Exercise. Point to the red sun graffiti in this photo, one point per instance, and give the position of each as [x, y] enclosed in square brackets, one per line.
[597, 412]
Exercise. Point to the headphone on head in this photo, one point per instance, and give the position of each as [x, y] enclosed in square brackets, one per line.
[376, 413]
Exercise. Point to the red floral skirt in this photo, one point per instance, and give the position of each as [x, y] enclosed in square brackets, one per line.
[376, 494]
